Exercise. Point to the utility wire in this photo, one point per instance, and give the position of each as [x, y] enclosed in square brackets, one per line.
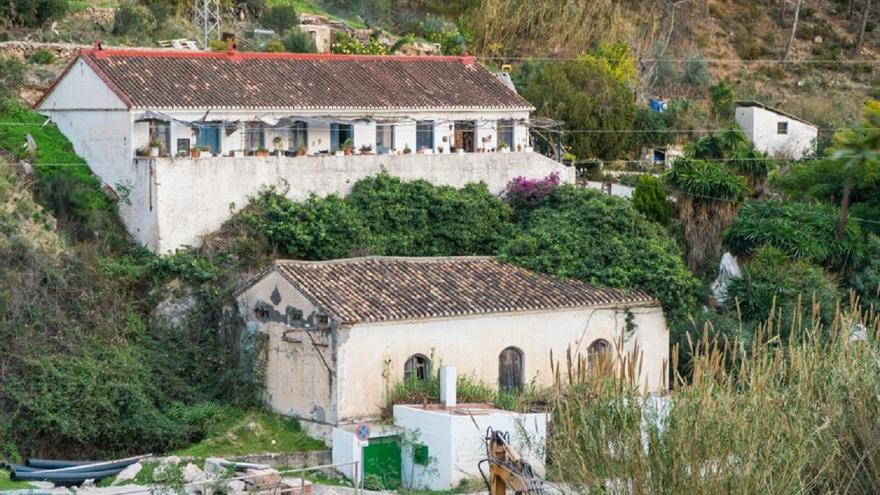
[694, 59]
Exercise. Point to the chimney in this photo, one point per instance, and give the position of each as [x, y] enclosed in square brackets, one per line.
[447, 386]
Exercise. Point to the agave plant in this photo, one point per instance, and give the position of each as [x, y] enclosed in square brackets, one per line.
[708, 197]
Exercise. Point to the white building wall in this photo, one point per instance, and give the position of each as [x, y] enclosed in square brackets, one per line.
[405, 136]
[456, 443]
[364, 134]
[760, 126]
[194, 195]
[473, 344]
[299, 379]
[486, 135]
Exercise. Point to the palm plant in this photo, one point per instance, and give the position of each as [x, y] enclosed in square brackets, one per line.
[752, 165]
[708, 196]
[858, 153]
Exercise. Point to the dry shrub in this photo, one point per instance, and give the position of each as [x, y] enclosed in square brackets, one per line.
[795, 415]
[551, 27]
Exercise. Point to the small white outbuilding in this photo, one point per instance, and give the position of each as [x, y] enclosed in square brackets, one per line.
[774, 132]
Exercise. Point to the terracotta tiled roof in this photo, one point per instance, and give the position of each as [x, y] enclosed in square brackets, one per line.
[186, 79]
[387, 288]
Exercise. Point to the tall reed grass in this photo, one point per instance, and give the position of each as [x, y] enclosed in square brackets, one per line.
[799, 414]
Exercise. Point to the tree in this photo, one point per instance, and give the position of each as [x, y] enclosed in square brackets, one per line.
[708, 196]
[585, 94]
[32, 13]
[856, 151]
[280, 18]
[862, 26]
[794, 24]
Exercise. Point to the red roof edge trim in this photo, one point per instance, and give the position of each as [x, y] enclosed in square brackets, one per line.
[84, 55]
[233, 54]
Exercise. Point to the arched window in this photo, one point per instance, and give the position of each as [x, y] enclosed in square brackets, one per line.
[510, 369]
[598, 350]
[417, 367]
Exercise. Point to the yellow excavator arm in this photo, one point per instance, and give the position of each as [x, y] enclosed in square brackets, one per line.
[507, 469]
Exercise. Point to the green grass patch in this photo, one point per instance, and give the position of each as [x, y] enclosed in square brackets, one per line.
[312, 7]
[254, 433]
[8, 484]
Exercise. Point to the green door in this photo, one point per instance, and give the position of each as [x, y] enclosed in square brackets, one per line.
[382, 463]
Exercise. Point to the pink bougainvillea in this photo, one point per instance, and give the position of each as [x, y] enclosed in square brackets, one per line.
[523, 191]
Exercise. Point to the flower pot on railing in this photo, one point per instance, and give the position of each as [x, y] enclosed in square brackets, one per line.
[195, 153]
[261, 152]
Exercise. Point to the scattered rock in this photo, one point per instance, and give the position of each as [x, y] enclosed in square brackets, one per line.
[128, 474]
[192, 473]
[235, 486]
[214, 467]
[263, 479]
[818, 40]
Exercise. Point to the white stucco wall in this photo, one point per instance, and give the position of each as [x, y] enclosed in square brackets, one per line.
[473, 344]
[99, 126]
[456, 442]
[760, 127]
[194, 195]
[299, 379]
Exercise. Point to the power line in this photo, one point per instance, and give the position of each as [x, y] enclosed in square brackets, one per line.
[731, 61]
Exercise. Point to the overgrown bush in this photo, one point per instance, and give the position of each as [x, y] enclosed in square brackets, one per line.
[772, 284]
[316, 229]
[42, 57]
[299, 41]
[132, 19]
[346, 44]
[802, 231]
[586, 235]
[419, 219]
[652, 200]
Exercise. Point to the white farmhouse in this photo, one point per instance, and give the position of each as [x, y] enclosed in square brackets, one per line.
[774, 132]
[340, 334]
[184, 136]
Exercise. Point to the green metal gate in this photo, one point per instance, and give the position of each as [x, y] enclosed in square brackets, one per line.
[382, 463]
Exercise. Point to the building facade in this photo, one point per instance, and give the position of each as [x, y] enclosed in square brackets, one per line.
[776, 133]
[174, 132]
[339, 335]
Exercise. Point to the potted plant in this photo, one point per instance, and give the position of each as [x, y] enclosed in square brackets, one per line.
[236, 153]
[261, 151]
[348, 147]
[406, 149]
[155, 147]
[143, 151]
[440, 149]
[503, 148]
[278, 142]
[195, 152]
[569, 158]
[302, 150]
[367, 149]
